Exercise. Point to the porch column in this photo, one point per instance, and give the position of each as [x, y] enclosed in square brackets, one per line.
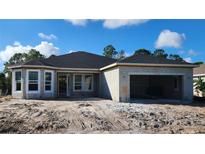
[187, 88]
[55, 86]
[41, 86]
[24, 82]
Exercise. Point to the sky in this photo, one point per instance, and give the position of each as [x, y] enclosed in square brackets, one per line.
[183, 37]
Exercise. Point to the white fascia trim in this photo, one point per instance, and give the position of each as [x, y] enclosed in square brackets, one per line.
[109, 66]
[196, 75]
[157, 65]
[51, 67]
[148, 65]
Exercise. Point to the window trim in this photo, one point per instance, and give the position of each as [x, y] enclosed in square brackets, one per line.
[91, 82]
[83, 83]
[52, 81]
[74, 82]
[27, 81]
[14, 79]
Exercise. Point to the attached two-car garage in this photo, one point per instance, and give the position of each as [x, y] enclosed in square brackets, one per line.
[171, 83]
[156, 87]
[148, 77]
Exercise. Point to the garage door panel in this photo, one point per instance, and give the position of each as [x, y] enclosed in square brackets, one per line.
[155, 86]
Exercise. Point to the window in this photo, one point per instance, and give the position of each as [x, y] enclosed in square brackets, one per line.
[88, 82]
[18, 80]
[78, 82]
[48, 80]
[33, 81]
[83, 82]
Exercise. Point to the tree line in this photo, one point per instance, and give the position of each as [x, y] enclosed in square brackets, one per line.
[111, 52]
[17, 58]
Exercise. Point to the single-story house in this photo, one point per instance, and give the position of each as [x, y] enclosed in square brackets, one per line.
[83, 74]
[199, 72]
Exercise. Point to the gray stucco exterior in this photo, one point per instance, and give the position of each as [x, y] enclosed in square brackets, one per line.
[125, 72]
[112, 83]
[116, 82]
[42, 94]
[84, 74]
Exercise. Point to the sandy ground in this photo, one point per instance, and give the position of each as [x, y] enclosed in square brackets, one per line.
[96, 115]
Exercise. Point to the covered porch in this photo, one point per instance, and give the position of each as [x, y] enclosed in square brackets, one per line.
[77, 84]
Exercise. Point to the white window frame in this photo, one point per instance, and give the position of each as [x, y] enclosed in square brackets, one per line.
[74, 83]
[27, 81]
[91, 82]
[14, 80]
[52, 81]
[82, 83]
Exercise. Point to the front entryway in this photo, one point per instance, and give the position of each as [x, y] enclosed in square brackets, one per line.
[63, 85]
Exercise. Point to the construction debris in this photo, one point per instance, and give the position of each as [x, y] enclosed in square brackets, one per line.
[98, 116]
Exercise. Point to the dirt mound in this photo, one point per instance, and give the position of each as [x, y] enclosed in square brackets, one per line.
[27, 116]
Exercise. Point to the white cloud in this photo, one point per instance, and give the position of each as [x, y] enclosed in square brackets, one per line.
[16, 43]
[116, 23]
[192, 53]
[188, 59]
[44, 47]
[47, 37]
[71, 51]
[77, 22]
[109, 23]
[47, 49]
[168, 38]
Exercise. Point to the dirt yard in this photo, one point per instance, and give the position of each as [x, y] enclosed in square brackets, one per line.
[96, 115]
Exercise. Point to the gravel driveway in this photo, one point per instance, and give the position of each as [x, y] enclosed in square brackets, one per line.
[97, 115]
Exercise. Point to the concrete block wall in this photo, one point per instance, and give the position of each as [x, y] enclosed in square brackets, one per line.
[125, 72]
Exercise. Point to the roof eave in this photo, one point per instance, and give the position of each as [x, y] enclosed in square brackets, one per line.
[51, 67]
[148, 65]
[108, 66]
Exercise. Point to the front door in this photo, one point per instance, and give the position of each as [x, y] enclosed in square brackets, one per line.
[63, 85]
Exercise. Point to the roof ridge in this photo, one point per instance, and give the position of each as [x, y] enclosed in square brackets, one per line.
[154, 58]
[42, 61]
[86, 53]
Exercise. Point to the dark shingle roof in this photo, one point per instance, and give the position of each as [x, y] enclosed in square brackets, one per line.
[200, 70]
[149, 59]
[87, 60]
[78, 59]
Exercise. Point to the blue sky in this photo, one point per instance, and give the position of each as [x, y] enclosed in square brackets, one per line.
[184, 37]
